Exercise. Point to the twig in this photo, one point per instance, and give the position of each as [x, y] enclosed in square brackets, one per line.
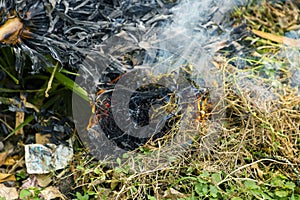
[276, 38]
[20, 115]
[248, 165]
[11, 101]
[50, 81]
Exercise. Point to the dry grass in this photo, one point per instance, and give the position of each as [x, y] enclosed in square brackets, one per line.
[254, 136]
[258, 139]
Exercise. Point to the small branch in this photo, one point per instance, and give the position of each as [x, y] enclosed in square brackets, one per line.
[248, 165]
[278, 39]
[50, 81]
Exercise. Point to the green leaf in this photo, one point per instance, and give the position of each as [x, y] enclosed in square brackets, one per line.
[251, 185]
[281, 193]
[200, 180]
[119, 169]
[134, 189]
[21, 175]
[80, 197]
[213, 191]
[125, 155]
[277, 182]
[119, 161]
[198, 189]
[295, 197]
[266, 196]
[26, 121]
[205, 174]
[216, 177]
[69, 72]
[69, 83]
[97, 171]
[90, 193]
[290, 185]
[10, 75]
[205, 189]
[151, 197]
[24, 193]
[236, 198]
[189, 198]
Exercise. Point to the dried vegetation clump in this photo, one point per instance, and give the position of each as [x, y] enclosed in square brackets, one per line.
[259, 140]
[271, 16]
[256, 153]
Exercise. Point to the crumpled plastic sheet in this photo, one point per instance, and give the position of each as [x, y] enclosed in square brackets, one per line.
[42, 159]
[69, 29]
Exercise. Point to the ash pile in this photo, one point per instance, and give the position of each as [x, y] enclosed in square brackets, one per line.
[69, 29]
